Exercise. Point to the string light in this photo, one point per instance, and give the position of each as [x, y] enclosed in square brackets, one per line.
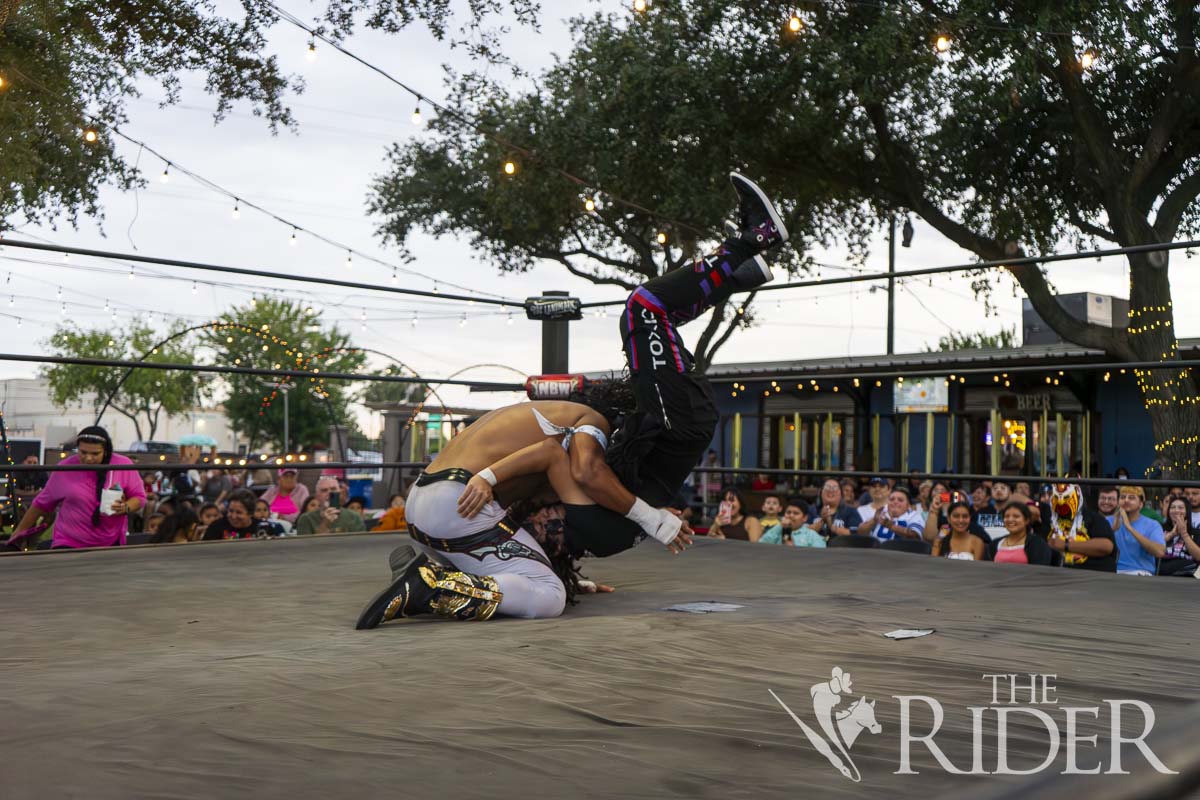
[3, 83]
[349, 260]
[462, 323]
[63, 309]
[510, 318]
[662, 237]
[639, 5]
[131, 272]
[589, 204]
[58, 294]
[510, 168]
[311, 55]
[414, 319]
[1088, 59]
[395, 278]
[90, 135]
[942, 43]
[237, 208]
[795, 23]
[292, 241]
[416, 115]
[18, 322]
[166, 175]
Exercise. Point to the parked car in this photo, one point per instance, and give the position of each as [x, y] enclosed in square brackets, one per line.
[158, 448]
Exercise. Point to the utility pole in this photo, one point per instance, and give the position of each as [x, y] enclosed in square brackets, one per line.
[285, 388]
[891, 315]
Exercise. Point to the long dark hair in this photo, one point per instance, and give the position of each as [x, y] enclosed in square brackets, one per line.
[614, 399]
[944, 550]
[182, 520]
[94, 434]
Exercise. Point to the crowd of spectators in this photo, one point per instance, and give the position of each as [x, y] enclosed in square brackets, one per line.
[181, 506]
[1113, 528]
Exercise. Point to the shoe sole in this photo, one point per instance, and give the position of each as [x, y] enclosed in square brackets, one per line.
[775, 218]
[401, 560]
[768, 276]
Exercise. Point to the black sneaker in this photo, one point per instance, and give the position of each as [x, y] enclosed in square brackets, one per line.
[408, 594]
[761, 226]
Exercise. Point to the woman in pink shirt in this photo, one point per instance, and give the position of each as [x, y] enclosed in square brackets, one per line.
[73, 498]
[286, 498]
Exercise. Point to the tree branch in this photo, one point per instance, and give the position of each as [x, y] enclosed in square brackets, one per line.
[733, 325]
[1177, 201]
[562, 259]
[635, 243]
[1089, 228]
[703, 357]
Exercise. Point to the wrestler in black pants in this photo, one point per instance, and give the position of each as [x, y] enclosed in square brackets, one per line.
[656, 449]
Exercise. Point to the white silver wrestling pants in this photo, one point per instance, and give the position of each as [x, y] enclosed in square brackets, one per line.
[530, 588]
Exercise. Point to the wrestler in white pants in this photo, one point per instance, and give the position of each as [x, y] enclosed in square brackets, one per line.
[531, 589]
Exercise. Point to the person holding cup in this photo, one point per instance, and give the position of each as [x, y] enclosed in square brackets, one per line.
[90, 509]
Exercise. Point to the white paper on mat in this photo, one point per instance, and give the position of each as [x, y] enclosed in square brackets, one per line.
[703, 608]
[909, 633]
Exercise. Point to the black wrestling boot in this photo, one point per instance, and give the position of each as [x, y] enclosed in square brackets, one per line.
[420, 586]
[761, 226]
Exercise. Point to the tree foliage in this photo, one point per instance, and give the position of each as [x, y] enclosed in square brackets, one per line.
[270, 332]
[1005, 338]
[142, 395]
[1008, 143]
[68, 65]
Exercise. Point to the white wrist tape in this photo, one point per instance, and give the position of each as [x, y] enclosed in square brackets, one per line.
[488, 476]
[659, 524]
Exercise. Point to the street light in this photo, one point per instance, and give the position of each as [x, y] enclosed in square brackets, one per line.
[285, 388]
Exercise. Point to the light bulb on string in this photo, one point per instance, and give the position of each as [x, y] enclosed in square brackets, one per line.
[90, 136]
[414, 319]
[66, 258]
[462, 323]
[795, 23]
[639, 5]
[395, 279]
[435, 287]
[63, 309]
[131, 272]
[662, 237]
[942, 43]
[510, 318]
[166, 175]
[292, 241]
[349, 260]
[58, 295]
[589, 204]
[237, 208]
[1088, 59]
[311, 55]
[510, 167]
[416, 116]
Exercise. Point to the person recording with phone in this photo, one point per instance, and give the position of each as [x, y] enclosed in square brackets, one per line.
[732, 522]
[329, 516]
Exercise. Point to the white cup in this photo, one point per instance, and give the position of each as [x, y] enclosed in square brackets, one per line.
[108, 497]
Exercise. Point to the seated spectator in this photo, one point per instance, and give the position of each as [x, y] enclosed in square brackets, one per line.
[924, 493]
[1139, 539]
[731, 522]
[328, 518]
[1192, 495]
[178, 528]
[358, 505]
[311, 504]
[791, 530]
[287, 497]
[1084, 536]
[762, 483]
[956, 540]
[850, 492]
[984, 511]
[239, 521]
[217, 486]
[1021, 545]
[1022, 487]
[771, 506]
[832, 516]
[393, 519]
[208, 514]
[153, 523]
[937, 522]
[879, 490]
[28, 484]
[262, 514]
[1001, 494]
[1107, 501]
[897, 519]
[1183, 553]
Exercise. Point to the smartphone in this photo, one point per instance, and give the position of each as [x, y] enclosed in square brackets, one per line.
[335, 499]
[945, 497]
[725, 512]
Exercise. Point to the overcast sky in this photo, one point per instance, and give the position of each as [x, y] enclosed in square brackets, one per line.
[319, 176]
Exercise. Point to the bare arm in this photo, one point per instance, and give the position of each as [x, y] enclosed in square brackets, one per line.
[754, 529]
[536, 458]
[589, 470]
[1190, 543]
